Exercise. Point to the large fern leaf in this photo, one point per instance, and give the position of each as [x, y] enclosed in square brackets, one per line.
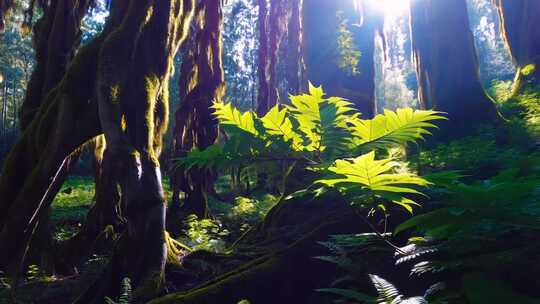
[389, 294]
[322, 121]
[374, 176]
[277, 123]
[229, 116]
[393, 128]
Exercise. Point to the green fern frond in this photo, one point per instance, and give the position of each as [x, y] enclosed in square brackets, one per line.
[322, 121]
[393, 128]
[388, 293]
[277, 123]
[376, 177]
[229, 116]
[211, 156]
[125, 293]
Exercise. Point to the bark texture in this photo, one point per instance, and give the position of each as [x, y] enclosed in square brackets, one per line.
[56, 36]
[263, 66]
[446, 63]
[201, 82]
[129, 66]
[521, 35]
[296, 81]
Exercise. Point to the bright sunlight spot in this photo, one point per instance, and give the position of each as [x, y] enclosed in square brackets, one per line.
[391, 8]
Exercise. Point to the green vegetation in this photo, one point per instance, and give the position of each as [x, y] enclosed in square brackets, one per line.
[225, 176]
[73, 201]
[480, 228]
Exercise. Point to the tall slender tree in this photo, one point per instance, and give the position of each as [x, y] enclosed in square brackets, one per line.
[263, 66]
[201, 82]
[295, 60]
[446, 63]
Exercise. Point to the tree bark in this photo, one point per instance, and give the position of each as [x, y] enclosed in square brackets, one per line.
[201, 82]
[522, 36]
[295, 60]
[128, 65]
[278, 24]
[56, 37]
[132, 91]
[263, 66]
[447, 65]
[322, 21]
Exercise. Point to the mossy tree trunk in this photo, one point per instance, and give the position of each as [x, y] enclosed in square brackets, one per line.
[339, 43]
[522, 37]
[201, 82]
[56, 36]
[129, 66]
[280, 29]
[134, 68]
[446, 63]
[104, 220]
[65, 120]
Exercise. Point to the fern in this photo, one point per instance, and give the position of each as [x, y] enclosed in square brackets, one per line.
[365, 173]
[325, 135]
[393, 128]
[484, 232]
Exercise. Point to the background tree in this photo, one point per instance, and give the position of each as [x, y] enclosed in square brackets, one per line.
[344, 63]
[201, 82]
[446, 62]
[493, 57]
[521, 37]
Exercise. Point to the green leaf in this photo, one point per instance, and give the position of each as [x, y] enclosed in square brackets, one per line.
[480, 289]
[211, 156]
[393, 128]
[277, 123]
[230, 116]
[375, 176]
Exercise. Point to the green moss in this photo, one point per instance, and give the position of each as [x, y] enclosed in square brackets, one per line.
[528, 69]
[74, 200]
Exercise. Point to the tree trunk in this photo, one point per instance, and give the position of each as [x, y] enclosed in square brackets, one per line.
[333, 32]
[56, 37]
[128, 66]
[521, 36]
[133, 99]
[447, 65]
[263, 66]
[202, 82]
[295, 61]
[278, 21]
[104, 220]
